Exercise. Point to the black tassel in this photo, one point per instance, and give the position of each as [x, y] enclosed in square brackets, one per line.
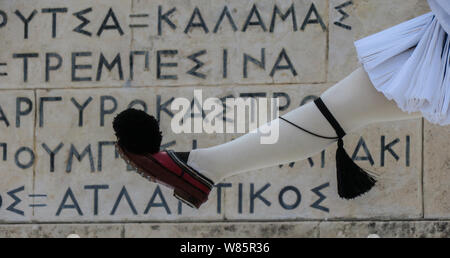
[352, 181]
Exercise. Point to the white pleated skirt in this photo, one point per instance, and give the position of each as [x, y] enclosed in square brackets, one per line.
[409, 63]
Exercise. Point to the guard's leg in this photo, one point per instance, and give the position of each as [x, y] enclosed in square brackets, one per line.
[354, 102]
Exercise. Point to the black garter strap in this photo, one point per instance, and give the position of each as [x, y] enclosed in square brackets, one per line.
[352, 181]
[303, 129]
[327, 114]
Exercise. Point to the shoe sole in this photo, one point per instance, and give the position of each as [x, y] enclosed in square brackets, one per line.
[178, 193]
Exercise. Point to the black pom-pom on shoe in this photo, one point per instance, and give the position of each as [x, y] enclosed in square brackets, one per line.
[137, 132]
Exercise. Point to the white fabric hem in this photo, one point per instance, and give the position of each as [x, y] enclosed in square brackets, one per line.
[408, 63]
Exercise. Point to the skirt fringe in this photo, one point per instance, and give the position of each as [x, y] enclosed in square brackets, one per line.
[408, 63]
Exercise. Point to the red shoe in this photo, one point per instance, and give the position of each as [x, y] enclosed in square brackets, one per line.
[166, 168]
